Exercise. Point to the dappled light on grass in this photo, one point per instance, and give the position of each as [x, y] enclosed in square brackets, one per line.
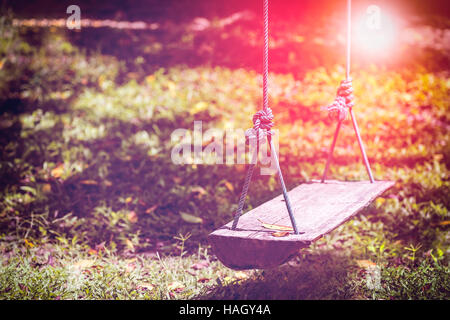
[85, 23]
[93, 204]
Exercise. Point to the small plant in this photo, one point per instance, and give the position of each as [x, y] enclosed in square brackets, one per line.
[182, 238]
[413, 249]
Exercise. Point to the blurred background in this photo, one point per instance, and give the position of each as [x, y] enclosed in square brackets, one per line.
[86, 115]
[306, 34]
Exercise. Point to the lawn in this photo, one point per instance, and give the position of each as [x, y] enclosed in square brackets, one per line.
[92, 206]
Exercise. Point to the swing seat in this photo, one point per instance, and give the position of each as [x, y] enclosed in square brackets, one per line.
[318, 209]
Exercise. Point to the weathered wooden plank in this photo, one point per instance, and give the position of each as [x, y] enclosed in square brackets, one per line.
[318, 209]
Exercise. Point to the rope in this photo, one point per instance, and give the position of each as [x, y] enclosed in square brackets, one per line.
[244, 193]
[349, 40]
[344, 97]
[262, 120]
[262, 124]
[266, 57]
[343, 101]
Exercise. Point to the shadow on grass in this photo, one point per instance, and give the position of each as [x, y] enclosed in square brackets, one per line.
[120, 191]
[158, 189]
[309, 276]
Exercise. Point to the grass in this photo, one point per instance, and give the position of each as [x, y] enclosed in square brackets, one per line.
[92, 206]
[74, 274]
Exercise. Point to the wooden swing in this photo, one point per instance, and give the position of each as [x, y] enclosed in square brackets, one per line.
[250, 241]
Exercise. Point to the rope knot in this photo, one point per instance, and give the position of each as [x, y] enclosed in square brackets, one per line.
[263, 119]
[262, 124]
[344, 99]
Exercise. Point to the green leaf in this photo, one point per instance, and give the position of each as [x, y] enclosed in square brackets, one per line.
[29, 189]
[190, 218]
[382, 247]
[275, 226]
